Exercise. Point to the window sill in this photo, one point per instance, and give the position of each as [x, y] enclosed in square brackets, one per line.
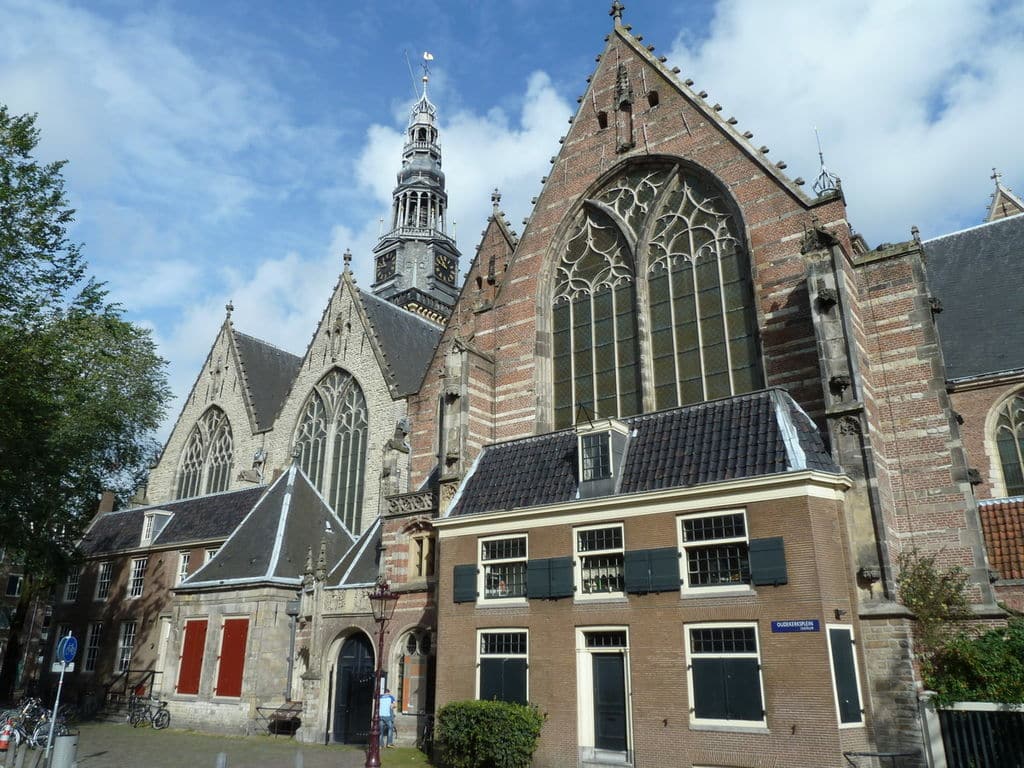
[601, 600]
[758, 728]
[503, 603]
[691, 594]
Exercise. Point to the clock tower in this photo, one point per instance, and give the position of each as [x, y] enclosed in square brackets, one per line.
[416, 263]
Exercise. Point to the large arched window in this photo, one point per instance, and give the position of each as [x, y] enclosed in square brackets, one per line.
[206, 461]
[1010, 443]
[691, 321]
[331, 439]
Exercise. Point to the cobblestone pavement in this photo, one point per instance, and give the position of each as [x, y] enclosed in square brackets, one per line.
[116, 745]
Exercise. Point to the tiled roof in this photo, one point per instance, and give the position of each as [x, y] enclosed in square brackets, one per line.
[269, 373]
[1002, 521]
[407, 341]
[361, 564]
[273, 540]
[761, 433]
[975, 274]
[197, 519]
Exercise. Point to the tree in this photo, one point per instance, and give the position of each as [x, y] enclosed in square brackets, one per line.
[81, 388]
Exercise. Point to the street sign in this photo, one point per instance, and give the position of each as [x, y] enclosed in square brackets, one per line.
[59, 666]
[67, 648]
[797, 625]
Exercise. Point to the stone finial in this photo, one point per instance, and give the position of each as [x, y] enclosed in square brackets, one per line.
[347, 259]
[495, 198]
[229, 307]
[996, 176]
[296, 454]
[616, 12]
[321, 561]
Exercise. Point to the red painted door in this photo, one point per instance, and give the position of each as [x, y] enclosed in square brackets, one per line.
[232, 657]
[190, 663]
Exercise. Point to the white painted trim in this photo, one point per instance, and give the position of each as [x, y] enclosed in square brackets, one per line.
[856, 672]
[481, 571]
[585, 685]
[365, 536]
[730, 494]
[462, 486]
[577, 572]
[797, 458]
[983, 706]
[684, 571]
[501, 630]
[282, 522]
[739, 725]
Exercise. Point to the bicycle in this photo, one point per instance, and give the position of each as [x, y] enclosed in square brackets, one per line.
[152, 711]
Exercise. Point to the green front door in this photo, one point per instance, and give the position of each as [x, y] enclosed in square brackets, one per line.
[609, 701]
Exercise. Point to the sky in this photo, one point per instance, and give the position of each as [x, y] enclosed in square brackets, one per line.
[233, 149]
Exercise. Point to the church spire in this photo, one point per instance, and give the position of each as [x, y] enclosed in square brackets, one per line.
[416, 259]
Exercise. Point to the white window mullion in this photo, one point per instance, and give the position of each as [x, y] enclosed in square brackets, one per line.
[725, 315]
[698, 317]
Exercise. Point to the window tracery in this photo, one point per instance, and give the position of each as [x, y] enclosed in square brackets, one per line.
[331, 441]
[652, 271]
[1009, 434]
[206, 459]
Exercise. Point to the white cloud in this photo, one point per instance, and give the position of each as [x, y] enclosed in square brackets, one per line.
[907, 97]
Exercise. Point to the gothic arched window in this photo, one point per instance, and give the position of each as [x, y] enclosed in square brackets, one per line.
[691, 320]
[1010, 444]
[206, 460]
[331, 440]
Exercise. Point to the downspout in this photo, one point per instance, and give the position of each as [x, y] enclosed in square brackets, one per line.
[292, 609]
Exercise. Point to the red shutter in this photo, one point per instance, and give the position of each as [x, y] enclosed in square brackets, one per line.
[232, 657]
[190, 666]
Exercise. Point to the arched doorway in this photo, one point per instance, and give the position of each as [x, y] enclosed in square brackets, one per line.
[353, 688]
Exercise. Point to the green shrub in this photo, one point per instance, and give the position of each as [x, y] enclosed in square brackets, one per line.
[985, 667]
[488, 734]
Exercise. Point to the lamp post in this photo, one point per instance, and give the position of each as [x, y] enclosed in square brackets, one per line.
[382, 602]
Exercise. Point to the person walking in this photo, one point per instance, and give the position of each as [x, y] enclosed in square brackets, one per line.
[387, 716]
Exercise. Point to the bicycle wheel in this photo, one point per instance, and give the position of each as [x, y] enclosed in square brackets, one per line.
[137, 717]
[161, 719]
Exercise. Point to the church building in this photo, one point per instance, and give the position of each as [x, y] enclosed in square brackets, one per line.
[650, 466]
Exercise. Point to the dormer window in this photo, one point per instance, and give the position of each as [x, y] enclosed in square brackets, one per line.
[602, 448]
[152, 524]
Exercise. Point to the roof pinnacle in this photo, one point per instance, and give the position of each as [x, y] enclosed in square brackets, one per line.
[495, 199]
[996, 177]
[616, 12]
[347, 259]
[229, 307]
[826, 181]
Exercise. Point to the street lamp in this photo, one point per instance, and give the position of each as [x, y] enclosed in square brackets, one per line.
[382, 602]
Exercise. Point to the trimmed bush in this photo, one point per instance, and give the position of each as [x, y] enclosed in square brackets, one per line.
[488, 734]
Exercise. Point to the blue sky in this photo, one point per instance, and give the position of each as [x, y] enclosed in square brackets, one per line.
[233, 150]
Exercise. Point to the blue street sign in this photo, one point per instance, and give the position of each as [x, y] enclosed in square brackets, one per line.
[67, 647]
[797, 625]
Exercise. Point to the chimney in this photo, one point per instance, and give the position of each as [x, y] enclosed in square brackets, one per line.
[106, 502]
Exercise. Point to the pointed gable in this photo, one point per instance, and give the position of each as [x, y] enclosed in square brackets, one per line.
[268, 373]
[406, 341]
[1004, 203]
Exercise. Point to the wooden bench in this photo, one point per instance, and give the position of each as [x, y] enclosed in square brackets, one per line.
[281, 719]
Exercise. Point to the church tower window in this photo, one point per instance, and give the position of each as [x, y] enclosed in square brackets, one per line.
[206, 460]
[1010, 444]
[331, 441]
[694, 325]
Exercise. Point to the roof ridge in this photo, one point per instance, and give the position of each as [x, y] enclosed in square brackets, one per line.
[1019, 219]
[264, 342]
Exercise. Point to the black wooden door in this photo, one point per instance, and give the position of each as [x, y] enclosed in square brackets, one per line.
[353, 691]
[609, 701]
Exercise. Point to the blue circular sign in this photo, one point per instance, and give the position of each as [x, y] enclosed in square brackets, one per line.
[67, 648]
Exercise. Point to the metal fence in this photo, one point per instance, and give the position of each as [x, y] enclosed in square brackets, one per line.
[978, 735]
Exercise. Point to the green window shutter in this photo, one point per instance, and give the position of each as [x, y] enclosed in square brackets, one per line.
[768, 562]
[664, 564]
[538, 579]
[464, 583]
[841, 640]
[490, 679]
[503, 679]
[709, 694]
[651, 570]
[743, 689]
[636, 565]
[549, 578]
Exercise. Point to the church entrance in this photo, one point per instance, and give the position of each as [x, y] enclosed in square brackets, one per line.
[353, 697]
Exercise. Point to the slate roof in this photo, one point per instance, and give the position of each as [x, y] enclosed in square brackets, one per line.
[269, 373]
[976, 275]
[1002, 521]
[272, 542]
[407, 341]
[361, 564]
[197, 519]
[761, 433]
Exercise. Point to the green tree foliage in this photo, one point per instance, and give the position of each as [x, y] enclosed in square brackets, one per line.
[488, 734]
[81, 388]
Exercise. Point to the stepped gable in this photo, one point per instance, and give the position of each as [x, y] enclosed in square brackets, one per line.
[406, 340]
[1002, 520]
[272, 543]
[197, 519]
[762, 433]
[269, 373]
[974, 273]
[360, 565]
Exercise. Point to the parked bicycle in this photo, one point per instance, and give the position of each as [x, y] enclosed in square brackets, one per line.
[151, 711]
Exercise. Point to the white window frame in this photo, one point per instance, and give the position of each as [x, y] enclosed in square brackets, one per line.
[580, 555]
[601, 450]
[104, 578]
[687, 589]
[137, 577]
[484, 564]
[18, 585]
[93, 639]
[480, 655]
[71, 586]
[126, 649]
[856, 673]
[761, 724]
[183, 561]
[211, 552]
[585, 688]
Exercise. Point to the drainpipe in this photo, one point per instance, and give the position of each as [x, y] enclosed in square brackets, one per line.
[292, 609]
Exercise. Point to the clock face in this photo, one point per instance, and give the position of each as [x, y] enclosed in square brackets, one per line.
[444, 268]
[385, 266]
